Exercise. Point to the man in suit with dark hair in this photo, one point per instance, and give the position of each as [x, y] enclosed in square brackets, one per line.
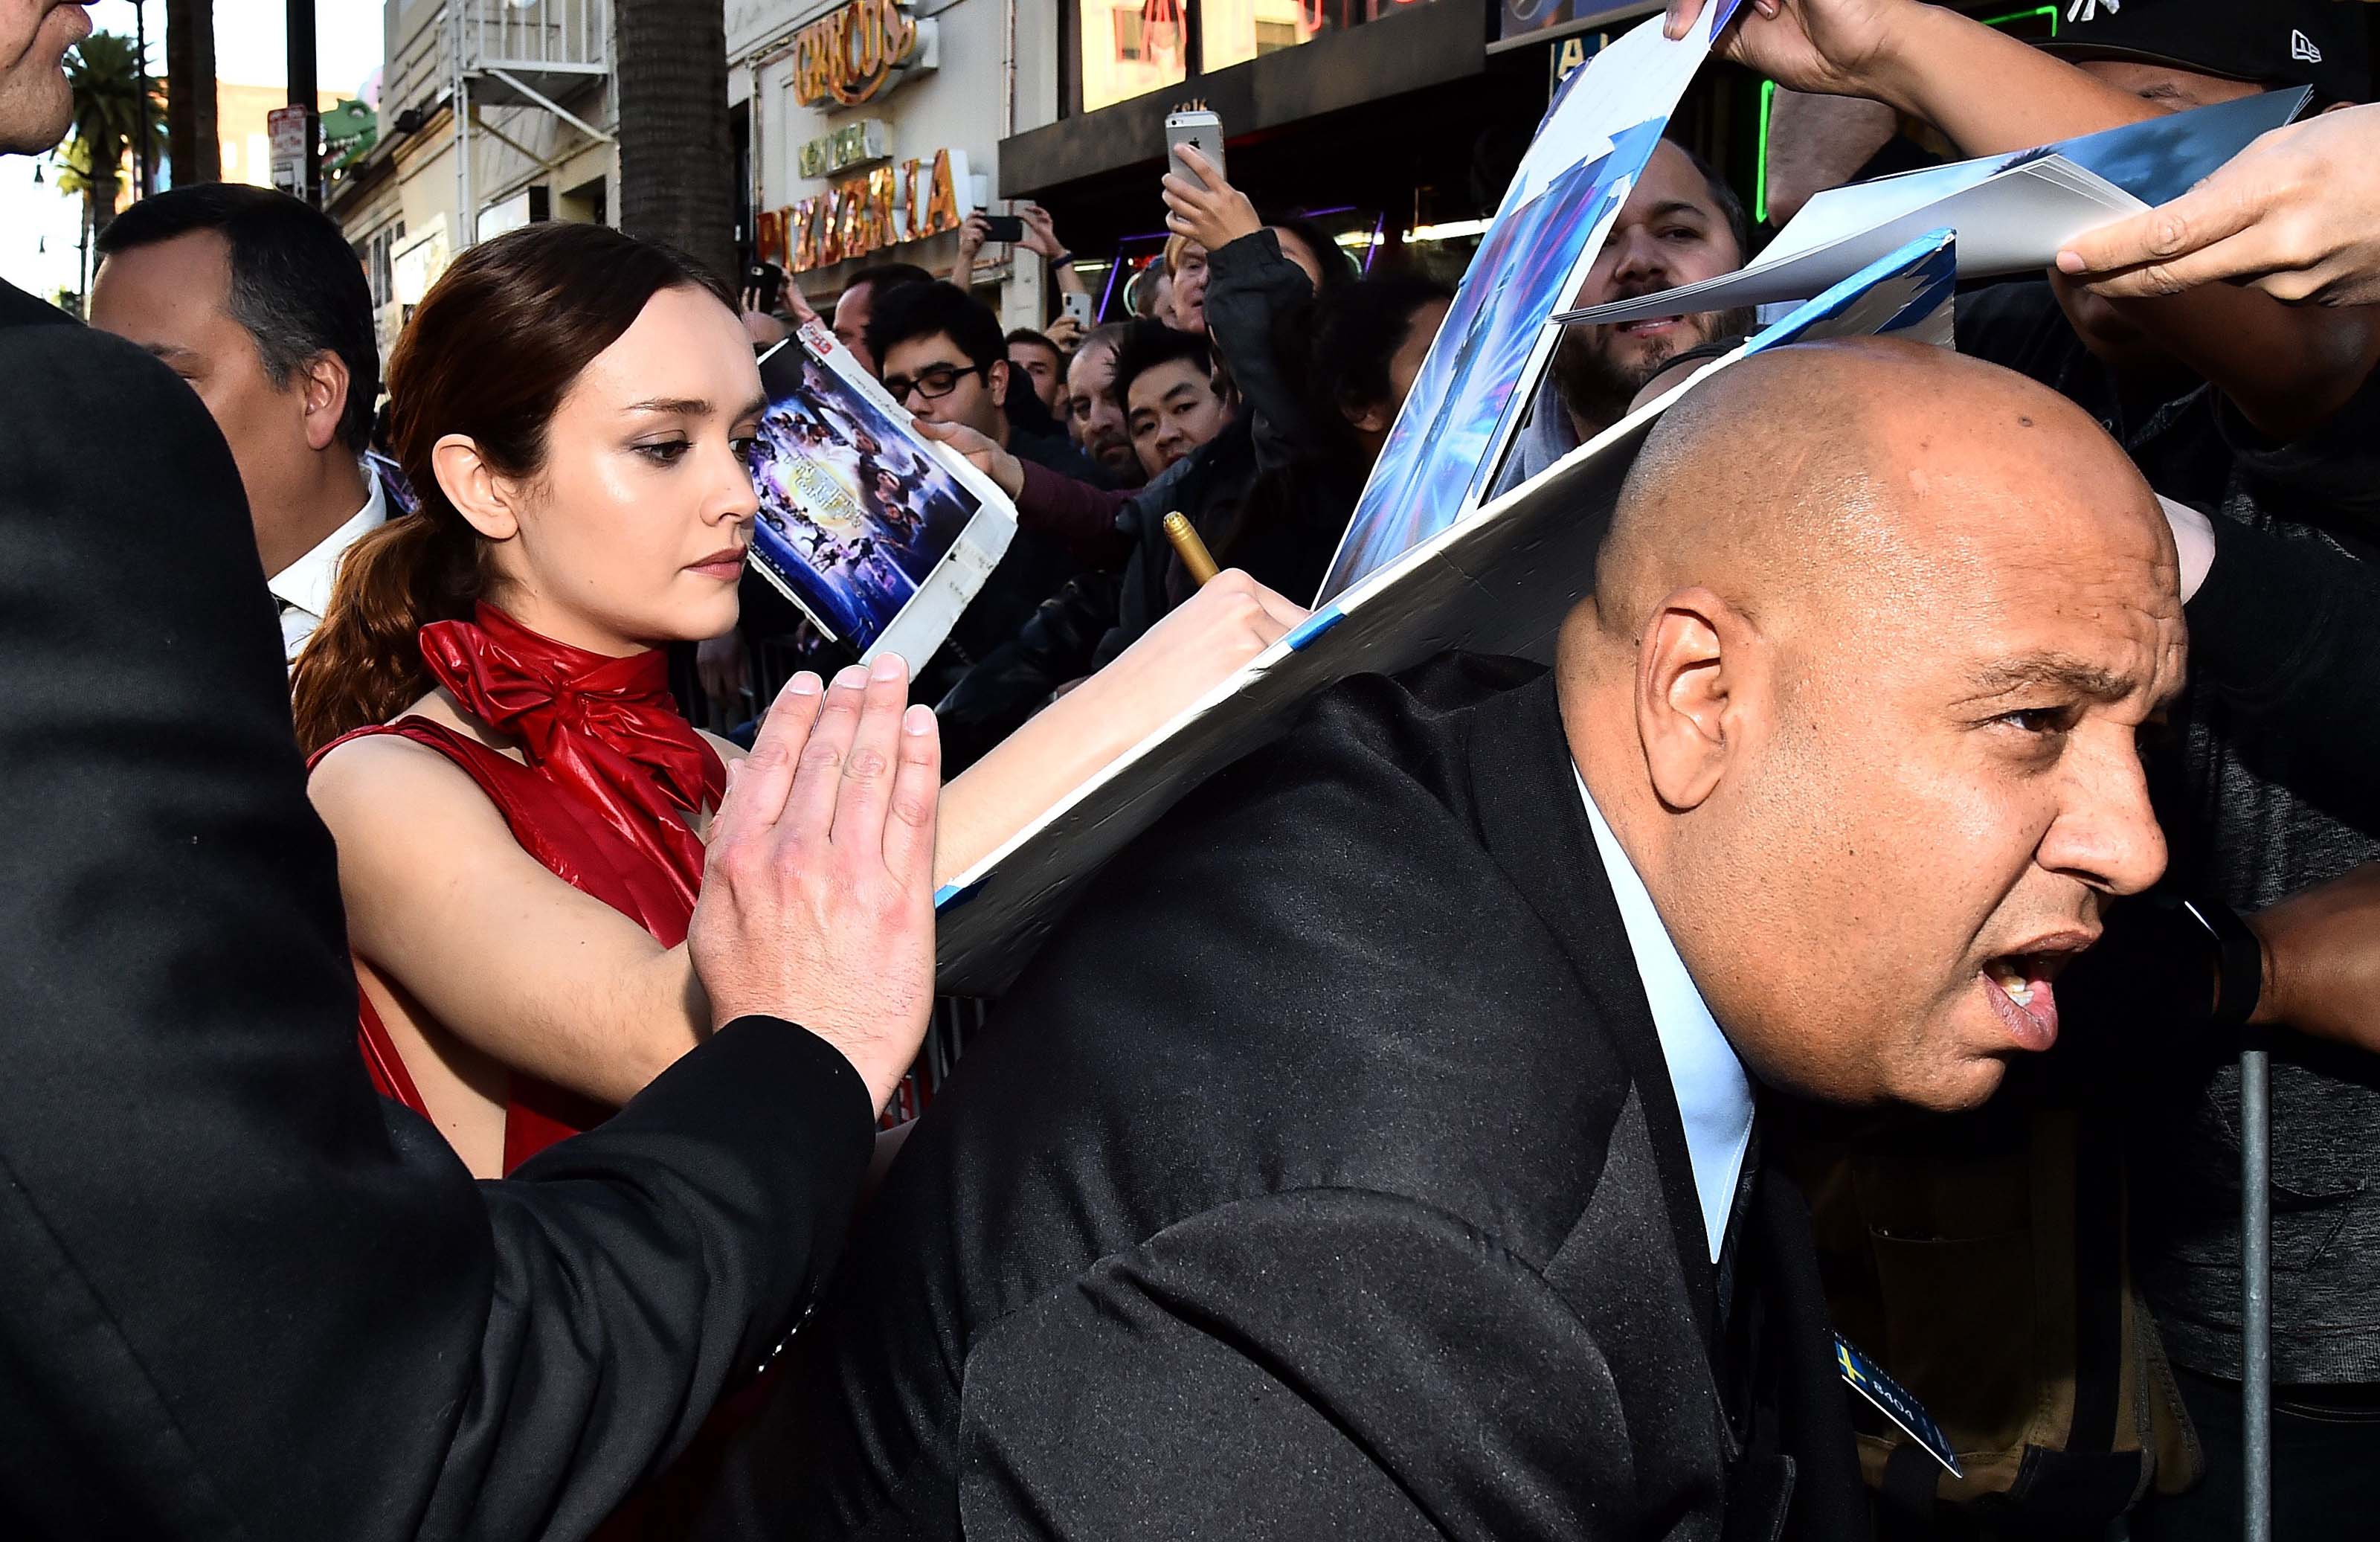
[1372, 1154]
[256, 299]
[239, 1295]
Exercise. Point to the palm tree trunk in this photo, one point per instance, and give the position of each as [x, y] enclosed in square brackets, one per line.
[190, 137]
[677, 169]
[102, 194]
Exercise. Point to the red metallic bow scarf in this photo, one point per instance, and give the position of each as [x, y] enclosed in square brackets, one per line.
[603, 729]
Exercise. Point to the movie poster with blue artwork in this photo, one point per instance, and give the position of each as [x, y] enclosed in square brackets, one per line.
[1466, 402]
[879, 536]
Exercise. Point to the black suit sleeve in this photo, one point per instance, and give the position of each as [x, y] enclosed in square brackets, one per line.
[1330, 1362]
[239, 1297]
[1252, 292]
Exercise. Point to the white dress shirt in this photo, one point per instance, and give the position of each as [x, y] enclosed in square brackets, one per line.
[304, 587]
[1714, 1094]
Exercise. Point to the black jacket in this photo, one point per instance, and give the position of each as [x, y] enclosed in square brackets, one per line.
[1321, 1179]
[240, 1296]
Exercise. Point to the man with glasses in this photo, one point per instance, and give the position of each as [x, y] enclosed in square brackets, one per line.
[944, 357]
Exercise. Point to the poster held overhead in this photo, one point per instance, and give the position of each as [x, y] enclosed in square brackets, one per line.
[1499, 582]
[1466, 402]
[881, 537]
[2012, 212]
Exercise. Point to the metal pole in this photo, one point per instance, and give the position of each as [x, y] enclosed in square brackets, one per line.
[143, 183]
[467, 224]
[2256, 1282]
[302, 93]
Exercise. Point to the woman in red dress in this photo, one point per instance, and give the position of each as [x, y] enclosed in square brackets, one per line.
[518, 805]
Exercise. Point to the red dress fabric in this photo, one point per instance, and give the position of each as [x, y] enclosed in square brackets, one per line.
[612, 777]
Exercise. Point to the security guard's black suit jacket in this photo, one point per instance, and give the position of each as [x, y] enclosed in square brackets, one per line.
[1322, 1179]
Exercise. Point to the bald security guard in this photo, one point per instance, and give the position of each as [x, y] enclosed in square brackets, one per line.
[1373, 1154]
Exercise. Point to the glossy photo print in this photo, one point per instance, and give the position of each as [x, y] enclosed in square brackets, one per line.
[860, 520]
[1466, 402]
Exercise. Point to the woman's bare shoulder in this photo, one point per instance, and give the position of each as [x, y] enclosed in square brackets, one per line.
[729, 750]
[389, 782]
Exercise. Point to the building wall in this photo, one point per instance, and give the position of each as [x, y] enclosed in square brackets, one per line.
[961, 106]
[512, 149]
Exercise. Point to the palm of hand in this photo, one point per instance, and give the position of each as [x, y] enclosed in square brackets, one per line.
[1828, 47]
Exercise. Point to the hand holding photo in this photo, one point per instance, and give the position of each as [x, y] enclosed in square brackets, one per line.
[880, 536]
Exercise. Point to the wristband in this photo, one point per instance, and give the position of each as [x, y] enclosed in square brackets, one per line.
[1062, 257]
[2240, 961]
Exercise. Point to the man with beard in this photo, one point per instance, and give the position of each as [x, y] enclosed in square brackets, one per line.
[1682, 223]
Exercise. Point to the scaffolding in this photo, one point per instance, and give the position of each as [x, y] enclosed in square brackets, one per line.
[519, 53]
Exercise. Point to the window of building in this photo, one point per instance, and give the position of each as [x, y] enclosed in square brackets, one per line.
[1131, 48]
[1234, 32]
[1128, 48]
[376, 252]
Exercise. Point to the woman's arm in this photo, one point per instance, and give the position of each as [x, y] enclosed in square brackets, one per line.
[1226, 623]
[508, 957]
[524, 967]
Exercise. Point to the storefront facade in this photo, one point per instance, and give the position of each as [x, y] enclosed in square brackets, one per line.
[1393, 124]
[871, 129]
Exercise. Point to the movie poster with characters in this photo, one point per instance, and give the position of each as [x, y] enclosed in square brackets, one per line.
[881, 537]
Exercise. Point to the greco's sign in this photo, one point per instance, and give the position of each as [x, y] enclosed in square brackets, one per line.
[854, 53]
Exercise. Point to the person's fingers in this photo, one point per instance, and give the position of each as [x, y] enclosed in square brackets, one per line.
[818, 773]
[867, 789]
[759, 781]
[1284, 612]
[916, 790]
[1681, 19]
[2165, 237]
[2244, 258]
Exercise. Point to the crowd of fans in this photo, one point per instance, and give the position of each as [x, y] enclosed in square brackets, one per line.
[1249, 387]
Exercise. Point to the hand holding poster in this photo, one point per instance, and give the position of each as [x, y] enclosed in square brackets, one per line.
[879, 536]
[1466, 404]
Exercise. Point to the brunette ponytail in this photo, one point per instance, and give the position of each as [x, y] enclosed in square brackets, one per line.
[490, 353]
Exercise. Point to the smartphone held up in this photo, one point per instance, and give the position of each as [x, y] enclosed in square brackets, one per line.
[1195, 129]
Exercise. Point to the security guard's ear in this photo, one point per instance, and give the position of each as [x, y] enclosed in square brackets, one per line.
[1690, 659]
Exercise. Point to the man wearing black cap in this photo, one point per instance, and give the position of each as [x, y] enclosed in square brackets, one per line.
[2265, 416]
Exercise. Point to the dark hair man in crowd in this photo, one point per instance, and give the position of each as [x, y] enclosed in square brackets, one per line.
[1682, 223]
[1095, 413]
[856, 305]
[1042, 365]
[255, 300]
[1121, 1285]
[1166, 380]
[941, 355]
[2267, 419]
[241, 1295]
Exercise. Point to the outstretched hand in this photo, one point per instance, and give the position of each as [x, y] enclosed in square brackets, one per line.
[972, 236]
[981, 451]
[1211, 211]
[818, 892]
[2322, 960]
[1829, 46]
[2295, 215]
